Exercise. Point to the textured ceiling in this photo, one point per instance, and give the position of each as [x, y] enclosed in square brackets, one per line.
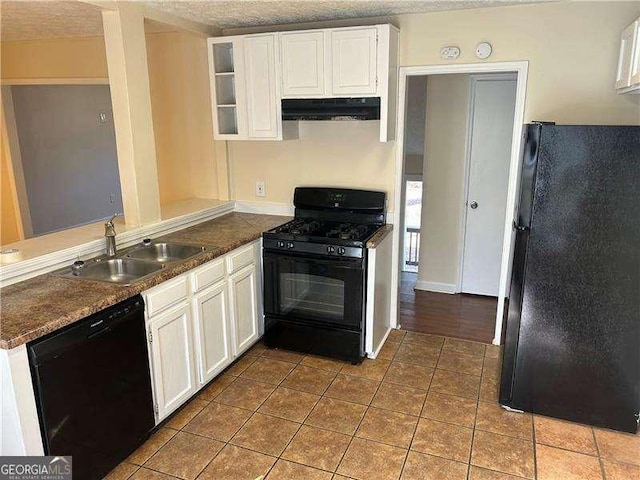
[30, 19]
[248, 13]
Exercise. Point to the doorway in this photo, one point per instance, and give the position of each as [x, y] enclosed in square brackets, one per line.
[467, 180]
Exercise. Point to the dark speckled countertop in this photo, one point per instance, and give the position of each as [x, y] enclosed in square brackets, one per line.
[43, 304]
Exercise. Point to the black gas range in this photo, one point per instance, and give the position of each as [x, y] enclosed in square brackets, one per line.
[315, 270]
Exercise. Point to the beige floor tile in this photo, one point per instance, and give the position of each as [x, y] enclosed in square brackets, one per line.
[492, 368]
[146, 474]
[151, 446]
[123, 471]
[555, 464]
[240, 365]
[218, 421]
[464, 346]
[185, 455]
[340, 477]
[257, 350]
[489, 389]
[214, 389]
[424, 339]
[415, 376]
[493, 418]
[367, 460]
[450, 409]
[563, 434]
[352, 389]
[371, 369]
[504, 454]
[322, 363]
[427, 467]
[493, 351]
[388, 427]
[399, 398]
[336, 415]
[460, 362]
[289, 404]
[623, 447]
[477, 473]
[283, 355]
[454, 383]
[235, 463]
[245, 393]
[317, 448]
[284, 470]
[621, 471]
[183, 416]
[443, 440]
[396, 335]
[388, 350]
[418, 354]
[307, 379]
[265, 434]
[268, 370]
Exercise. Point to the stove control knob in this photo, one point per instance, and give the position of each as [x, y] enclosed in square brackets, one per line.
[290, 245]
[280, 244]
[341, 250]
[331, 249]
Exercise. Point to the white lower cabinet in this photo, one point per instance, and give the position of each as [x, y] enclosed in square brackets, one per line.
[196, 334]
[243, 288]
[174, 368]
[211, 318]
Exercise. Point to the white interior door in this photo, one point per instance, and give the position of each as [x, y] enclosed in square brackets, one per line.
[491, 127]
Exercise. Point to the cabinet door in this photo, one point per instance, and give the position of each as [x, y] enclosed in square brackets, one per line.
[210, 310]
[243, 287]
[635, 55]
[627, 44]
[302, 57]
[263, 112]
[354, 61]
[172, 359]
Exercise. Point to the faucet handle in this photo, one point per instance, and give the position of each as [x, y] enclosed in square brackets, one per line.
[110, 220]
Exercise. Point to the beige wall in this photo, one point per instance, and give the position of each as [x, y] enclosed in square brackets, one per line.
[9, 218]
[179, 83]
[572, 50]
[443, 187]
[63, 58]
[344, 154]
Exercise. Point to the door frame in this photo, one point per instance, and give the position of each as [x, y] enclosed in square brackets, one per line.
[521, 68]
[473, 81]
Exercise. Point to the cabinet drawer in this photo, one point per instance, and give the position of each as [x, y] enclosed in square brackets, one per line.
[241, 258]
[166, 294]
[208, 275]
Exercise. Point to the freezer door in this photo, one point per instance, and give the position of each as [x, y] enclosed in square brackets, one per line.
[577, 354]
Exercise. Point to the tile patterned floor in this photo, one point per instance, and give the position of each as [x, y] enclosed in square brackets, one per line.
[425, 409]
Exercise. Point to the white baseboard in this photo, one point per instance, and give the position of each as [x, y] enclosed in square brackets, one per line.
[264, 208]
[436, 287]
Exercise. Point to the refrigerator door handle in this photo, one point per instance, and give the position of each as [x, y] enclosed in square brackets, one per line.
[520, 228]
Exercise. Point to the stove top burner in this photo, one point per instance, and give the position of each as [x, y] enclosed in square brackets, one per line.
[327, 230]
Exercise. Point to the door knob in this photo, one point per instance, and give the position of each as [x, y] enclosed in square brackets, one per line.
[473, 205]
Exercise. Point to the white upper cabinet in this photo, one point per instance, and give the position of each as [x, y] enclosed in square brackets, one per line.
[354, 62]
[303, 64]
[628, 72]
[263, 106]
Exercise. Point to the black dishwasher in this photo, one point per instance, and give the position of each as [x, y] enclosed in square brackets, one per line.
[93, 388]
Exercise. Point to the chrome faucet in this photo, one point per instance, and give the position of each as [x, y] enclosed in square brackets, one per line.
[110, 236]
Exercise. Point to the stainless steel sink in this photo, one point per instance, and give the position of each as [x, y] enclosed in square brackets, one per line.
[121, 271]
[164, 252]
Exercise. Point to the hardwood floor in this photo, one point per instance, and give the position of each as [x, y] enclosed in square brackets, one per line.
[470, 317]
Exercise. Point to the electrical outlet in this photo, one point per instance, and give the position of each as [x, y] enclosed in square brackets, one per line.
[260, 190]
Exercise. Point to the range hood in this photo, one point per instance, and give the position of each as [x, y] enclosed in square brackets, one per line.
[367, 108]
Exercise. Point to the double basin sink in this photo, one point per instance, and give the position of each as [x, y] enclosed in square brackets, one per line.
[133, 264]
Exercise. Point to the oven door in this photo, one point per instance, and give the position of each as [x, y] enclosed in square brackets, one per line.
[314, 289]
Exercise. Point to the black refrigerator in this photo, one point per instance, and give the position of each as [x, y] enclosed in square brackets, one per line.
[572, 343]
